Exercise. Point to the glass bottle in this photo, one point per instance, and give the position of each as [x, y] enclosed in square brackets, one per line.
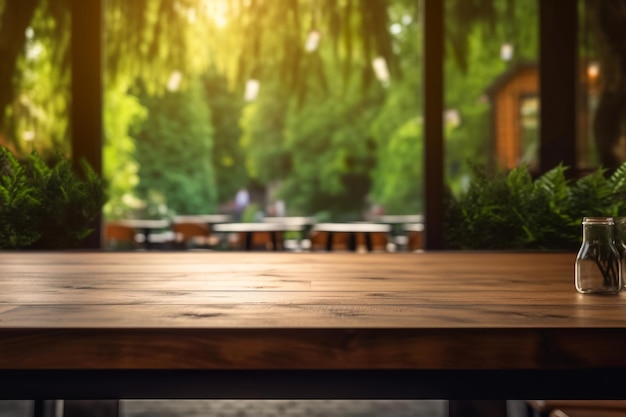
[620, 243]
[598, 267]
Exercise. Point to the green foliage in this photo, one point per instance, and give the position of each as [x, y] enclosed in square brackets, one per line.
[323, 130]
[120, 166]
[46, 205]
[475, 35]
[174, 151]
[331, 154]
[398, 184]
[513, 211]
[20, 204]
[228, 155]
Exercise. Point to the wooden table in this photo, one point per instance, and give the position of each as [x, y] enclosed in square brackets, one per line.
[353, 229]
[292, 220]
[145, 227]
[305, 325]
[303, 223]
[206, 219]
[249, 229]
[400, 218]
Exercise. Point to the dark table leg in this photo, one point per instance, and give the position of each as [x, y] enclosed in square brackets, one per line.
[473, 408]
[91, 408]
[44, 408]
[352, 242]
[368, 241]
[329, 241]
[146, 238]
[247, 240]
[274, 237]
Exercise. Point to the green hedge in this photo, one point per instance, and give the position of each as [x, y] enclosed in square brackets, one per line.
[513, 211]
[45, 204]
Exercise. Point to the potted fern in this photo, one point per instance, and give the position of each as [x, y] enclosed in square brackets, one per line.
[513, 211]
[45, 204]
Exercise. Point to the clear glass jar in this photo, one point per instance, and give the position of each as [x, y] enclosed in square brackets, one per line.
[620, 243]
[598, 266]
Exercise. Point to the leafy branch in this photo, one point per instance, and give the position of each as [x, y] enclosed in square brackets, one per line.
[46, 205]
[510, 210]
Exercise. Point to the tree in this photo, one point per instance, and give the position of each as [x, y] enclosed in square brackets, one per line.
[607, 20]
[397, 128]
[228, 156]
[121, 111]
[174, 152]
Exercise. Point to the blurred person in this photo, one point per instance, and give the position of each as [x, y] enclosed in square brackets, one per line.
[242, 200]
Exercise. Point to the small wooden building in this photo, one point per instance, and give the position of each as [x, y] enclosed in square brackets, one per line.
[514, 98]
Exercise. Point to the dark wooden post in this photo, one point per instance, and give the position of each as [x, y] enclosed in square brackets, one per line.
[558, 79]
[433, 124]
[86, 107]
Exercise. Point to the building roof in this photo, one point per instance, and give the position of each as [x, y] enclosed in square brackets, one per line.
[504, 78]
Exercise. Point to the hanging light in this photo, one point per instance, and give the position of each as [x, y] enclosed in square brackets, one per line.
[593, 71]
[452, 117]
[380, 69]
[506, 52]
[28, 135]
[174, 81]
[312, 41]
[252, 90]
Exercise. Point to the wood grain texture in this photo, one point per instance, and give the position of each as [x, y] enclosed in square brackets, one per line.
[210, 310]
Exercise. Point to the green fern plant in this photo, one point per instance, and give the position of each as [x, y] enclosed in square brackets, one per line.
[513, 211]
[46, 205]
[20, 204]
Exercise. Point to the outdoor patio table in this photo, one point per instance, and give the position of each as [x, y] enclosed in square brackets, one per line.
[400, 218]
[352, 229]
[399, 223]
[249, 229]
[451, 325]
[145, 227]
[205, 219]
[304, 223]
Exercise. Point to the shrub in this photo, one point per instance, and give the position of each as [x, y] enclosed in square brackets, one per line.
[46, 205]
[513, 211]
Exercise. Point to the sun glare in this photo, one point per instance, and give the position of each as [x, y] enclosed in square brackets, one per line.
[216, 11]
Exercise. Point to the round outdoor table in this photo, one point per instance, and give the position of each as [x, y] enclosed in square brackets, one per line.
[249, 229]
[352, 229]
[145, 227]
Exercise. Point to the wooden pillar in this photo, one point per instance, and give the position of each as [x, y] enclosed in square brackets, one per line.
[433, 124]
[558, 80]
[86, 103]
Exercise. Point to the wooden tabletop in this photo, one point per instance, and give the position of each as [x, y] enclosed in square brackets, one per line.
[356, 227]
[400, 218]
[203, 218]
[145, 223]
[257, 227]
[291, 220]
[448, 310]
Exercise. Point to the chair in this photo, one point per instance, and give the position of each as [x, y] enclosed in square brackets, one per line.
[345, 241]
[319, 241]
[577, 408]
[378, 241]
[119, 237]
[415, 236]
[260, 241]
[416, 241]
[191, 235]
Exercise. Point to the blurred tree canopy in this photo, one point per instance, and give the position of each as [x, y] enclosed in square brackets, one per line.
[174, 152]
[334, 127]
